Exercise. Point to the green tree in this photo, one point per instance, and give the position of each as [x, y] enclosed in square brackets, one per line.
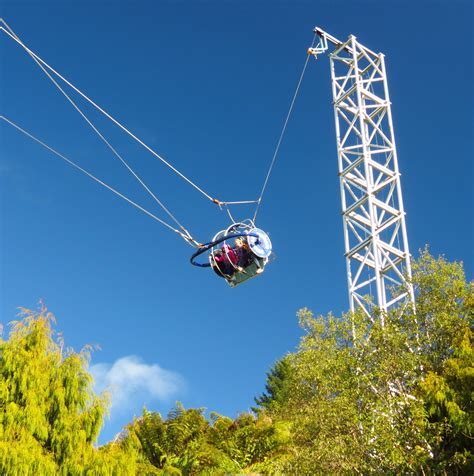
[277, 386]
[188, 443]
[256, 444]
[49, 415]
[385, 399]
[445, 312]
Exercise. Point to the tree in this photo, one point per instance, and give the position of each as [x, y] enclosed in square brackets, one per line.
[49, 415]
[384, 398]
[188, 443]
[445, 305]
[277, 386]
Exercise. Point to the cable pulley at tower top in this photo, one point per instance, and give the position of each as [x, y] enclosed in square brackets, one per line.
[236, 261]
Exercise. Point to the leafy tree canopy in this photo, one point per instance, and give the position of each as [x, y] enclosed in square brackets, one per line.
[49, 415]
[277, 387]
[50, 419]
[188, 443]
[364, 396]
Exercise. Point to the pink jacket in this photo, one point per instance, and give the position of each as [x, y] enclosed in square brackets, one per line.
[228, 253]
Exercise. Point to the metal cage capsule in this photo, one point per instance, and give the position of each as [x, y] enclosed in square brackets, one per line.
[238, 253]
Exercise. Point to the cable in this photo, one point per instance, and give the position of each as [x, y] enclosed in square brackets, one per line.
[275, 154]
[185, 236]
[242, 202]
[102, 137]
[36, 57]
[230, 215]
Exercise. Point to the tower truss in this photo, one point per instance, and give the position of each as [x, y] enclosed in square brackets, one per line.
[375, 237]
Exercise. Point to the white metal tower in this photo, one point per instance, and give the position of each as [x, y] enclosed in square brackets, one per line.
[375, 237]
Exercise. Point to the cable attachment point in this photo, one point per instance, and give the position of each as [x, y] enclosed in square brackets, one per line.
[321, 46]
[188, 238]
[218, 202]
[186, 232]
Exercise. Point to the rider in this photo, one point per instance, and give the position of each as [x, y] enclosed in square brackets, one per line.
[224, 261]
[243, 253]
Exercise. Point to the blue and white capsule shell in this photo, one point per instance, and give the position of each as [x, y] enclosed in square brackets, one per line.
[260, 245]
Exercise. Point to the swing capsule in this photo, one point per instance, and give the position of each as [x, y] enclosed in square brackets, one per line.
[237, 253]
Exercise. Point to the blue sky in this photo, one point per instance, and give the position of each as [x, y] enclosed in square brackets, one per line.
[208, 85]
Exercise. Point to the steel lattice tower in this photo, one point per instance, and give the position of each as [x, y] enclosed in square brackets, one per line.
[375, 237]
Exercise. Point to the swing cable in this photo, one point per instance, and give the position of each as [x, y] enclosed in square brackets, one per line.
[185, 235]
[280, 139]
[7, 30]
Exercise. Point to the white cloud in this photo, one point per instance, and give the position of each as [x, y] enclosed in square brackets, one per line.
[131, 382]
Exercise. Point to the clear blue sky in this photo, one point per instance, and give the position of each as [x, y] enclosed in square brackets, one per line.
[208, 85]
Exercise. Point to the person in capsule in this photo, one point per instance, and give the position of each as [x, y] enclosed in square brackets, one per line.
[243, 253]
[224, 261]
